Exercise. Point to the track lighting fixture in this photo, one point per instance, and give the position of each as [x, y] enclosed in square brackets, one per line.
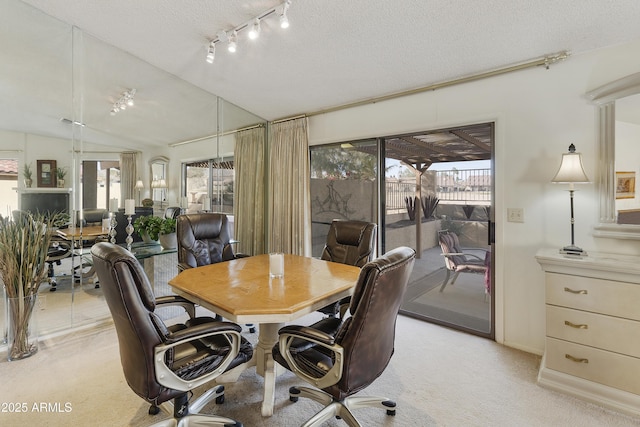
[252, 26]
[254, 32]
[284, 21]
[211, 53]
[126, 99]
[232, 42]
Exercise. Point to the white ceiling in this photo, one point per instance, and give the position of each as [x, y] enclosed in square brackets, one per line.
[338, 52]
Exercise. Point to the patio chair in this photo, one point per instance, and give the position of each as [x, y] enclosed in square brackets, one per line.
[460, 260]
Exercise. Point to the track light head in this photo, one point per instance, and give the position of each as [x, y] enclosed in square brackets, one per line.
[232, 47]
[284, 21]
[254, 32]
[211, 53]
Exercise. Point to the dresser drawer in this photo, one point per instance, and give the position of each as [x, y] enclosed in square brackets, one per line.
[604, 367]
[596, 295]
[595, 330]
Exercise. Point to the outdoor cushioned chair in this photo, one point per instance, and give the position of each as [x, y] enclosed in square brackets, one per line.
[162, 362]
[460, 260]
[346, 362]
[203, 239]
[348, 242]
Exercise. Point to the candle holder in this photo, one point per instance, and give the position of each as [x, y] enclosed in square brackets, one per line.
[112, 231]
[129, 230]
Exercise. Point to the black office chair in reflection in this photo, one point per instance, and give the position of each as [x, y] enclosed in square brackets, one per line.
[163, 362]
[343, 363]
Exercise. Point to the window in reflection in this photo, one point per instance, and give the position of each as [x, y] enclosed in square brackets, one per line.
[215, 174]
[100, 182]
[8, 184]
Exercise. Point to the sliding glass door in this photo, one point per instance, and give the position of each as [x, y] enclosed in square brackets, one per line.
[433, 182]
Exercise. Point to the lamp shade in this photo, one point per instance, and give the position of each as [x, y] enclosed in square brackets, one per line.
[571, 169]
[139, 185]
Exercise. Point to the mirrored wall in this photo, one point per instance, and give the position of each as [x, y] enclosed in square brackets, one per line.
[77, 103]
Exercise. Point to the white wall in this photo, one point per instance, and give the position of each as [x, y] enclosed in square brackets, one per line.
[538, 113]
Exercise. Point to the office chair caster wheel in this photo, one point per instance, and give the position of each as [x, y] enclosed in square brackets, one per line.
[392, 407]
[293, 394]
[154, 410]
[220, 399]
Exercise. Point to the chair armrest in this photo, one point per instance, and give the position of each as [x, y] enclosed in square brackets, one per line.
[464, 254]
[308, 334]
[171, 300]
[289, 333]
[200, 331]
[168, 378]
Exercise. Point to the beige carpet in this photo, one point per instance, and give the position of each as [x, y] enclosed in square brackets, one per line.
[438, 376]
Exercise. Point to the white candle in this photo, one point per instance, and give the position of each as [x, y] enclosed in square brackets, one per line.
[113, 205]
[184, 203]
[206, 204]
[129, 207]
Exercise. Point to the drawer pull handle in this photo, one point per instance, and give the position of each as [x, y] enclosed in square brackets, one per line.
[573, 325]
[582, 291]
[576, 359]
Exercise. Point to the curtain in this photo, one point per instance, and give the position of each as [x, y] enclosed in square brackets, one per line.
[289, 183]
[248, 208]
[128, 174]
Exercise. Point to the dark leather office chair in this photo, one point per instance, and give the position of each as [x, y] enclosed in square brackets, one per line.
[348, 242]
[162, 363]
[172, 212]
[203, 239]
[346, 362]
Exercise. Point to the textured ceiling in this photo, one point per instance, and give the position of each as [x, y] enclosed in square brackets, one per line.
[337, 51]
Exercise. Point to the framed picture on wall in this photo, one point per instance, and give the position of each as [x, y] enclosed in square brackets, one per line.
[625, 185]
[46, 173]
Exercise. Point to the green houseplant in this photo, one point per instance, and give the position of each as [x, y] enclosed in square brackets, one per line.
[23, 251]
[154, 227]
[27, 173]
[61, 173]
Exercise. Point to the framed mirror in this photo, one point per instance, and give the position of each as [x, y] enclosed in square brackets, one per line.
[618, 106]
[159, 180]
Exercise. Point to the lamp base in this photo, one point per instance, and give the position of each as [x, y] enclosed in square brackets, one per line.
[573, 250]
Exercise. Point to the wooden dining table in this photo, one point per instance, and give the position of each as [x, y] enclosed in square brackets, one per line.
[242, 291]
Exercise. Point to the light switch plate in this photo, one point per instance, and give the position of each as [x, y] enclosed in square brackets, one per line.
[515, 214]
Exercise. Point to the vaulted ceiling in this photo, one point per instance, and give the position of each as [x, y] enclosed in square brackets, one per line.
[335, 52]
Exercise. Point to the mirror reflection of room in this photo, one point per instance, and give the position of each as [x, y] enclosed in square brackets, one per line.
[627, 148]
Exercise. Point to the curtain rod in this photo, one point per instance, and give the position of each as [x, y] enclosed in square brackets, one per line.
[229, 132]
[546, 61]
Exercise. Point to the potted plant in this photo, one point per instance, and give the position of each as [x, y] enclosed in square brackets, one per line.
[27, 173]
[168, 237]
[152, 228]
[23, 251]
[60, 174]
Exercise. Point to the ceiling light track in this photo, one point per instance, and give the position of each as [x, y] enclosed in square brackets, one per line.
[253, 27]
[126, 100]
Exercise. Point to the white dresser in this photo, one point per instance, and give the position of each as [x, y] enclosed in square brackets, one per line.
[592, 344]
